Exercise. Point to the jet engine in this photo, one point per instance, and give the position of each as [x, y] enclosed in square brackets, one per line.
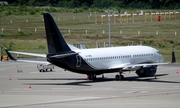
[147, 72]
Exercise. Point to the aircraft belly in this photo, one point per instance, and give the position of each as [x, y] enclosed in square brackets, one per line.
[104, 64]
[98, 65]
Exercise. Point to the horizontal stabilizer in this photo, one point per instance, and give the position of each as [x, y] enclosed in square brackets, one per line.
[29, 61]
[29, 54]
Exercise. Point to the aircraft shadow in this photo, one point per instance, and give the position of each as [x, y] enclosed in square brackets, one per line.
[78, 82]
[85, 82]
[149, 79]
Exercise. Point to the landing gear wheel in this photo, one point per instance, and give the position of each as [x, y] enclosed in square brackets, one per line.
[91, 77]
[121, 77]
[102, 76]
[117, 77]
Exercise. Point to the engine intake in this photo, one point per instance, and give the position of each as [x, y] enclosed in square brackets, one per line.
[147, 72]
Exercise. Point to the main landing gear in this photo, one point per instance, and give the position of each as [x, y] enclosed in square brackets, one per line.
[119, 77]
[91, 77]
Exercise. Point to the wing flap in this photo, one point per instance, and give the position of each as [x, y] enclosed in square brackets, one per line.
[119, 66]
[132, 66]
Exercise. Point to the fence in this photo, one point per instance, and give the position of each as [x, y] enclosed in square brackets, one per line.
[35, 24]
[132, 17]
[90, 31]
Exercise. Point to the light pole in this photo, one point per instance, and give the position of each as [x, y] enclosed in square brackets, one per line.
[109, 21]
[0, 44]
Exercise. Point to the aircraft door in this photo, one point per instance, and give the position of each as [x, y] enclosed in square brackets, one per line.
[78, 63]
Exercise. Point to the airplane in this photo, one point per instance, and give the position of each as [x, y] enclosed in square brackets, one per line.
[97, 61]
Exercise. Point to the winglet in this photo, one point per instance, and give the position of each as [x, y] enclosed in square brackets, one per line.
[9, 55]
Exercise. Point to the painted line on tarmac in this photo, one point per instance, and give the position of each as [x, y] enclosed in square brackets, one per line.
[139, 92]
[81, 99]
[128, 90]
[143, 87]
[73, 99]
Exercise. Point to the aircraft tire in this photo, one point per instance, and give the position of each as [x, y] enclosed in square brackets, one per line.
[92, 77]
[102, 76]
[117, 77]
[121, 77]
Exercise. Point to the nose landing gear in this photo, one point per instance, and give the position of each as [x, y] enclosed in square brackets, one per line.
[119, 77]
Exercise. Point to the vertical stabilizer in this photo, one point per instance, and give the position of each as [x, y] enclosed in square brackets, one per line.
[55, 40]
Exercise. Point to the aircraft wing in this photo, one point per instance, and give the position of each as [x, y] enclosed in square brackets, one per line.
[129, 66]
[29, 61]
[119, 66]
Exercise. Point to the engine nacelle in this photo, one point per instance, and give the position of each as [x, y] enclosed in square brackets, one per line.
[147, 72]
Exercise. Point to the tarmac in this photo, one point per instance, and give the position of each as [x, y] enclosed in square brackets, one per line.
[23, 86]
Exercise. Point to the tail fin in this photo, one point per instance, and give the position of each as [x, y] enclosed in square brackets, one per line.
[55, 40]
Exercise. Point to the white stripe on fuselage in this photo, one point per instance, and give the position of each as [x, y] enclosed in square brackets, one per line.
[104, 58]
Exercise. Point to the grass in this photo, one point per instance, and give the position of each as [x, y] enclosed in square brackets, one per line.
[30, 41]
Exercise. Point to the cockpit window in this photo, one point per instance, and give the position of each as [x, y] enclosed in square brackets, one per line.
[158, 52]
